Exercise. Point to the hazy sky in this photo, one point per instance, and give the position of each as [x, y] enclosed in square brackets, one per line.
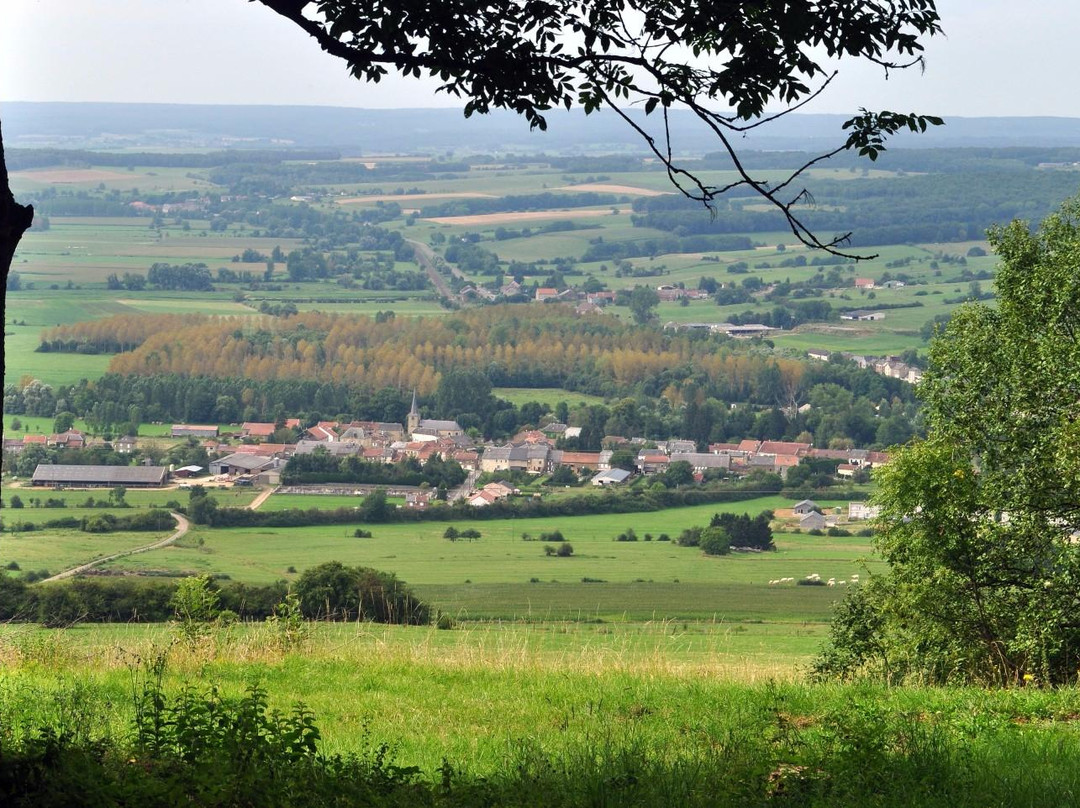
[999, 57]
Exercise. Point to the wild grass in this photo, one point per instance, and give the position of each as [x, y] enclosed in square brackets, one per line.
[503, 717]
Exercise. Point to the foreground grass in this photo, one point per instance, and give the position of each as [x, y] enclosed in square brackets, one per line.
[521, 715]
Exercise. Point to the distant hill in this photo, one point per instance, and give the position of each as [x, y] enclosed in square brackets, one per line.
[182, 126]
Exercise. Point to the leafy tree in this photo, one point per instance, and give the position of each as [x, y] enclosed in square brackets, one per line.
[715, 541]
[643, 303]
[463, 390]
[979, 519]
[63, 422]
[336, 592]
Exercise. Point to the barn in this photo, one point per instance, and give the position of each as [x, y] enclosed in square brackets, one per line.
[100, 476]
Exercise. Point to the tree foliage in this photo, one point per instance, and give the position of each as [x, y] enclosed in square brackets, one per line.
[724, 62]
[980, 520]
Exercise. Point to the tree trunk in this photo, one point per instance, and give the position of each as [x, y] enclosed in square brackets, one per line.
[15, 219]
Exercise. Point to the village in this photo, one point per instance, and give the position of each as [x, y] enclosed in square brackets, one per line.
[250, 456]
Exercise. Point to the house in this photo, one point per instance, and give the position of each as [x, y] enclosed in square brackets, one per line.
[99, 476]
[820, 356]
[679, 446]
[703, 461]
[893, 285]
[125, 445]
[194, 431]
[481, 499]
[864, 283]
[652, 462]
[496, 458]
[500, 490]
[778, 447]
[546, 293]
[578, 461]
[72, 439]
[860, 510]
[846, 470]
[611, 477]
[805, 507]
[813, 521]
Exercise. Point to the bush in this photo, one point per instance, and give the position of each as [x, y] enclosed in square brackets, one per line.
[360, 533]
[332, 591]
[715, 541]
[450, 533]
[565, 550]
[837, 531]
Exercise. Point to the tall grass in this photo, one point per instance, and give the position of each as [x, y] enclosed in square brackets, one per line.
[502, 716]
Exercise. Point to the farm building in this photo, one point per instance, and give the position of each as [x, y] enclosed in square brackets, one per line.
[242, 464]
[611, 477]
[805, 507]
[813, 521]
[100, 476]
[862, 314]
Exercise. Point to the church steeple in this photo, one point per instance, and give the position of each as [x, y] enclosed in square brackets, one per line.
[414, 415]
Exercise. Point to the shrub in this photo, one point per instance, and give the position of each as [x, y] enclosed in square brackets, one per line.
[451, 533]
[565, 550]
[333, 591]
[837, 531]
[555, 535]
[691, 537]
[715, 541]
[16, 501]
[360, 533]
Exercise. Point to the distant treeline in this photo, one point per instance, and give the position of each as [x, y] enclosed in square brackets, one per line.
[26, 159]
[322, 467]
[601, 250]
[929, 161]
[609, 501]
[546, 201]
[931, 208]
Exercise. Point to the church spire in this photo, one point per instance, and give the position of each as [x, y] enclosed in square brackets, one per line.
[413, 421]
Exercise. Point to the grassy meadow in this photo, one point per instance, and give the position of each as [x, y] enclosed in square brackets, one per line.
[568, 715]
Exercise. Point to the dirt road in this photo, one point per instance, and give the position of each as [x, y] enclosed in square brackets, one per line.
[182, 526]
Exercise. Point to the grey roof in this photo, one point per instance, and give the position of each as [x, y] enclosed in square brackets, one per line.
[703, 460]
[613, 475]
[113, 475]
[250, 462]
[431, 423]
[336, 449]
[497, 453]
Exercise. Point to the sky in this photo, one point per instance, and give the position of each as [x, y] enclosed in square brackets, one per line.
[997, 58]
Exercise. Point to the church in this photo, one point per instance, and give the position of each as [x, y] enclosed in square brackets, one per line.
[430, 428]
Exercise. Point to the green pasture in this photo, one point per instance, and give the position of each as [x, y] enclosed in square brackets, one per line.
[58, 550]
[504, 565]
[548, 396]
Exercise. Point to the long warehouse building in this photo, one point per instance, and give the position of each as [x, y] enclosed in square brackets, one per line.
[100, 476]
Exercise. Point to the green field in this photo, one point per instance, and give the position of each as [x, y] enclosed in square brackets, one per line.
[549, 396]
[503, 576]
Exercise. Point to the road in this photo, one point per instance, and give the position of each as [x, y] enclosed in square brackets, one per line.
[425, 257]
[182, 526]
[463, 490]
[259, 500]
